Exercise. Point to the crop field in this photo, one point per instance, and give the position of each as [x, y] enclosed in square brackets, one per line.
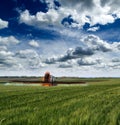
[97, 103]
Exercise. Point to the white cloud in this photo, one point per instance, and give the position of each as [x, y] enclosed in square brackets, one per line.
[102, 19]
[5, 54]
[92, 54]
[116, 45]
[95, 43]
[23, 60]
[27, 53]
[88, 46]
[3, 24]
[40, 19]
[88, 61]
[27, 18]
[29, 59]
[33, 43]
[8, 40]
[92, 12]
[93, 29]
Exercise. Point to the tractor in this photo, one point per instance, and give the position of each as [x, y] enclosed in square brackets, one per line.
[48, 80]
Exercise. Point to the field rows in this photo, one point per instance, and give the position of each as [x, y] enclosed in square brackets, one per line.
[87, 105]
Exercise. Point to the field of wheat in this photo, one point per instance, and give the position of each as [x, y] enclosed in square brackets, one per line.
[94, 104]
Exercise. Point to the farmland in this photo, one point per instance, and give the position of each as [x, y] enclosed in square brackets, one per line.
[97, 103]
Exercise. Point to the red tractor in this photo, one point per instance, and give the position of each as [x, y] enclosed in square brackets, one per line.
[48, 79]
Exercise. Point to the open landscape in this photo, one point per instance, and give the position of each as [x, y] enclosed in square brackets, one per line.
[96, 102]
[59, 62]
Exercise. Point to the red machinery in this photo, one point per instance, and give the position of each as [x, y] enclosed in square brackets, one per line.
[48, 79]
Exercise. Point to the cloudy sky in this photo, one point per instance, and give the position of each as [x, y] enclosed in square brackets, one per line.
[66, 37]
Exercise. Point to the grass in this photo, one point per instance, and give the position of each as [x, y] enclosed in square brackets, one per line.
[95, 104]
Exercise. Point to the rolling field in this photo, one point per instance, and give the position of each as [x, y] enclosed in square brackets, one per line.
[98, 103]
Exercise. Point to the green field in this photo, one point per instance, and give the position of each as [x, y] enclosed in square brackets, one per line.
[97, 103]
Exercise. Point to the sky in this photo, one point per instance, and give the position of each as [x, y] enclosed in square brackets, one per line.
[77, 38]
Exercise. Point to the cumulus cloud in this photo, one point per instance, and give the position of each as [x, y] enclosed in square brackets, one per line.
[86, 56]
[27, 53]
[29, 58]
[79, 11]
[83, 3]
[114, 65]
[23, 60]
[7, 60]
[68, 64]
[95, 43]
[3, 24]
[78, 52]
[40, 19]
[8, 40]
[89, 11]
[118, 45]
[33, 43]
[89, 45]
[88, 61]
[51, 60]
[5, 54]
[91, 52]
[93, 29]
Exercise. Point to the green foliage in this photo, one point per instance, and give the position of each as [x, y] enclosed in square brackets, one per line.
[95, 104]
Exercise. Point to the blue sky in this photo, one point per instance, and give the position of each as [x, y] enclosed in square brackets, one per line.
[68, 38]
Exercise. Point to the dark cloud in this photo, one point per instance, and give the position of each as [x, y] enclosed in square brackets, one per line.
[80, 51]
[112, 3]
[116, 60]
[85, 4]
[118, 46]
[104, 2]
[50, 61]
[103, 48]
[65, 66]
[6, 63]
[93, 44]
[115, 66]
[66, 58]
[7, 60]
[18, 54]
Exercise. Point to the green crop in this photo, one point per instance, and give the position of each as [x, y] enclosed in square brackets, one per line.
[95, 104]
